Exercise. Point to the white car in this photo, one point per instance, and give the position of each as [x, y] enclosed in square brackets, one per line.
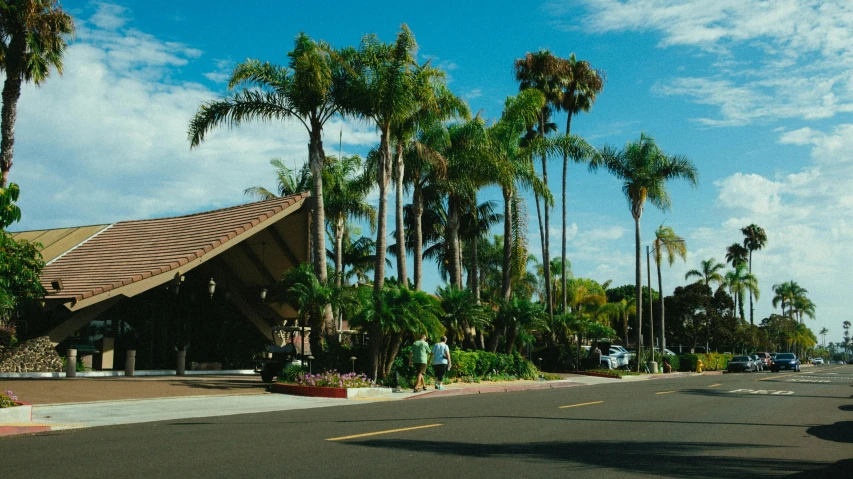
[818, 361]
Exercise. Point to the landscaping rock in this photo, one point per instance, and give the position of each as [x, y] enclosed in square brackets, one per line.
[34, 356]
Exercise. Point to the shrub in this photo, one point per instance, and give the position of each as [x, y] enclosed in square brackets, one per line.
[290, 373]
[710, 362]
[7, 336]
[334, 379]
[8, 399]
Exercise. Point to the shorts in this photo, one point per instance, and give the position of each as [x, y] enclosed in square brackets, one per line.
[420, 368]
[439, 369]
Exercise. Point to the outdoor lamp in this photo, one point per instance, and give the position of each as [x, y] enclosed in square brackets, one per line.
[211, 287]
[263, 294]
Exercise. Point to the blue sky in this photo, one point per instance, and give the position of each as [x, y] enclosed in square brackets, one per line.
[757, 94]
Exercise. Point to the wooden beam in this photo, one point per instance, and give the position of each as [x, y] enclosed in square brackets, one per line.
[249, 310]
[282, 245]
[259, 265]
[80, 319]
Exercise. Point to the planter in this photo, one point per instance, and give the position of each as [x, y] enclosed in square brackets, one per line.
[321, 392]
[15, 415]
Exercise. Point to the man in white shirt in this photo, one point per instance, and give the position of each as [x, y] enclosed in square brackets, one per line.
[440, 361]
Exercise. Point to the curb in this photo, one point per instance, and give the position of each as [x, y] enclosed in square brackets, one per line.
[597, 375]
[112, 374]
[495, 389]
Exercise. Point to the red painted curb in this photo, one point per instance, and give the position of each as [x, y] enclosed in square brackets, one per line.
[12, 430]
[311, 391]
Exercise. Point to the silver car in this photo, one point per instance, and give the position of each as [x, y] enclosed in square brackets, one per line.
[741, 364]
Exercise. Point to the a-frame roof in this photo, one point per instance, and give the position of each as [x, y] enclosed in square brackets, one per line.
[151, 252]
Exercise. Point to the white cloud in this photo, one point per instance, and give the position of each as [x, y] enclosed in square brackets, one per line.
[109, 16]
[107, 141]
[774, 60]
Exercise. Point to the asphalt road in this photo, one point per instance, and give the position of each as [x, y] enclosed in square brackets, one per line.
[740, 425]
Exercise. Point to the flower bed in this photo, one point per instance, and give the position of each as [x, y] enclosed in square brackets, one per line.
[14, 411]
[329, 384]
[8, 399]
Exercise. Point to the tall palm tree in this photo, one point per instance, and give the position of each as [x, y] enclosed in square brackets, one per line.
[755, 238]
[736, 255]
[307, 90]
[786, 294]
[710, 272]
[666, 241]
[545, 72]
[33, 38]
[513, 171]
[288, 181]
[384, 88]
[580, 86]
[823, 332]
[621, 310]
[644, 170]
[475, 223]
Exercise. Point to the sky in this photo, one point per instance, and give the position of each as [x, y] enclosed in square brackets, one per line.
[757, 94]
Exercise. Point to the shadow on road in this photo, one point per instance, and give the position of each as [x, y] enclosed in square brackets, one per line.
[841, 468]
[848, 407]
[222, 384]
[656, 458]
[841, 431]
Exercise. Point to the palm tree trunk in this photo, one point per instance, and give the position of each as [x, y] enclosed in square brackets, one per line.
[9, 113]
[402, 276]
[662, 322]
[382, 178]
[418, 210]
[453, 245]
[316, 162]
[474, 272]
[393, 349]
[565, 171]
[511, 334]
[546, 255]
[506, 274]
[751, 309]
[638, 289]
[340, 227]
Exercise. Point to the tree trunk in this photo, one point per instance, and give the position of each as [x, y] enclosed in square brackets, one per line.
[546, 255]
[418, 210]
[495, 339]
[662, 321]
[511, 334]
[316, 163]
[9, 113]
[751, 309]
[474, 272]
[651, 309]
[393, 350]
[383, 176]
[455, 265]
[564, 302]
[638, 289]
[402, 275]
[340, 227]
[506, 274]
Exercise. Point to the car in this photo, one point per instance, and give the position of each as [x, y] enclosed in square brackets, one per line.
[818, 361]
[741, 364]
[765, 358]
[786, 361]
[759, 364]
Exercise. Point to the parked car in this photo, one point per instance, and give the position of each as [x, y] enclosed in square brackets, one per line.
[741, 364]
[607, 362]
[759, 365]
[818, 361]
[766, 360]
[786, 361]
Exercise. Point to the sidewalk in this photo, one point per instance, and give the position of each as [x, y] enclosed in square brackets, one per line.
[61, 404]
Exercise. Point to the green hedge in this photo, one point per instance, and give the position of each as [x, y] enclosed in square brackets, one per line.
[710, 362]
[471, 365]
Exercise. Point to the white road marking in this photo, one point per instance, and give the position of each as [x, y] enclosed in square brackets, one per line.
[763, 391]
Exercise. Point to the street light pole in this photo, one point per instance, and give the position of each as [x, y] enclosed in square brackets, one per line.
[651, 315]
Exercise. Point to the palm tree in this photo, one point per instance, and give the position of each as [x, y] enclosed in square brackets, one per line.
[786, 294]
[544, 72]
[823, 332]
[384, 89]
[738, 281]
[33, 38]
[462, 314]
[710, 272]
[513, 172]
[345, 200]
[736, 254]
[309, 297]
[644, 169]
[307, 90]
[754, 239]
[289, 181]
[802, 305]
[475, 222]
[580, 86]
[621, 310]
[666, 241]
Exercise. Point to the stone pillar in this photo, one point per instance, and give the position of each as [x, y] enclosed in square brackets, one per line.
[71, 363]
[181, 363]
[653, 367]
[130, 362]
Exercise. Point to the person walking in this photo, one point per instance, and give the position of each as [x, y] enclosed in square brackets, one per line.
[419, 355]
[440, 361]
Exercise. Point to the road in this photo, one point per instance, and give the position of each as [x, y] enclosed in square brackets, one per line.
[738, 425]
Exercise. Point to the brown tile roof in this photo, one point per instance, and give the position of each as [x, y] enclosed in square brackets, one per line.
[55, 242]
[131, 251]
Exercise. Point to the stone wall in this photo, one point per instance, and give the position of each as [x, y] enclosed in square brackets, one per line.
[34, 356]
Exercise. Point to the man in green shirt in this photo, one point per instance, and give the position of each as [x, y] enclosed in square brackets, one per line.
[419, 355]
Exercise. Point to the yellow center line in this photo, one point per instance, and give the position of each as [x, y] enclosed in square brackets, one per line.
[665, 392]
[715, 385]
[354, 436]
[581, 404]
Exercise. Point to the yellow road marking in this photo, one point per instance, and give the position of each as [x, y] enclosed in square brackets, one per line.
[665, 392]
[581, 404]
[715, 385]
[354, 436]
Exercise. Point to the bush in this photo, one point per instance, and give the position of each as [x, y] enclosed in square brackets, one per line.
[470, 366]
[291, 372]
[8, 399]
[710, 362]
[7, 336]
